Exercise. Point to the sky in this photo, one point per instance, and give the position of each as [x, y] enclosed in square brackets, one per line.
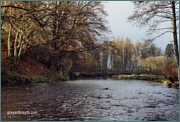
[118, 12]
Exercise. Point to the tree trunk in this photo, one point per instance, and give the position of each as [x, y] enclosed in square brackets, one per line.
[175, 32]
[51, 60]
[9, 42]
[9, 36]
[2, 22]
[20, 47]
[72, 74]
[15, 48]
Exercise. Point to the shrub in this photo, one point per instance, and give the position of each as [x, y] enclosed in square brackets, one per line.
[39, 79]
[8, 78]
[27, 69]
[175, 84]
[167, 83]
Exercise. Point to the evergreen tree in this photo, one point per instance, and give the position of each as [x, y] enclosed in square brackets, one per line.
[169, 51]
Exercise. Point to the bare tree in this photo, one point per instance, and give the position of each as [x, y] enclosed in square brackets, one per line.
[154, 14]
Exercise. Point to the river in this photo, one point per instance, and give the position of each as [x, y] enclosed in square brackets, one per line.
[90, 100]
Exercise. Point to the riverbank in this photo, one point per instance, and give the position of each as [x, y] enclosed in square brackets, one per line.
[156, 78]
[10, 79]
[28, 70]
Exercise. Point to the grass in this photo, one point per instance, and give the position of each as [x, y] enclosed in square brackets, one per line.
[39, 79]
[157, 78]
[15, 78]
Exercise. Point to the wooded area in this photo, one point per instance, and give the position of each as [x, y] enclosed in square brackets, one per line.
[70, 36]
[154, 14]
[44, 43]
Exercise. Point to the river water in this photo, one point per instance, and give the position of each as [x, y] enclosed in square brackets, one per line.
[91, 100]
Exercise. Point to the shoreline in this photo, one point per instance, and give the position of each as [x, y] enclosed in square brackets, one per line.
[15, 78]
[155, 78]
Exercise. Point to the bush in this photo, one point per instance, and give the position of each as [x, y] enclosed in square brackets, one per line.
[8, 78]
[175, 84]
[171, 70]
[39, 79]
[167, 83]
[59, 77]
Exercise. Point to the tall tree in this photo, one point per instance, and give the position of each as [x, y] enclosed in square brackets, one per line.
[175, 30]
[137, 49]
[66, 26]
[154, 14]
[23, 23]
[9, 36]
[169, 51]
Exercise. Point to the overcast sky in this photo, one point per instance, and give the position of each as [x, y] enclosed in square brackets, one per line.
[118, 12]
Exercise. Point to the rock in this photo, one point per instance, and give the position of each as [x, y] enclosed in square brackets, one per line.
[27, 88]
[105, 88]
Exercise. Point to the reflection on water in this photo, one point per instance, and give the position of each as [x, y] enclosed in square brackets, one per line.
[92, 100]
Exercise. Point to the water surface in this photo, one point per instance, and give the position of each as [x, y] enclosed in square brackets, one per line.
[92, 100]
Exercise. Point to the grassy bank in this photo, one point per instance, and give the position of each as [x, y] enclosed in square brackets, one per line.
[156, 78]
[15, 78]
[28, 70]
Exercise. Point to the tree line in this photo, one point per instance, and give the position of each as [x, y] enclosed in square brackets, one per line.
[70, 36]
[154, 14]
[123, 56]
[61, 26]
